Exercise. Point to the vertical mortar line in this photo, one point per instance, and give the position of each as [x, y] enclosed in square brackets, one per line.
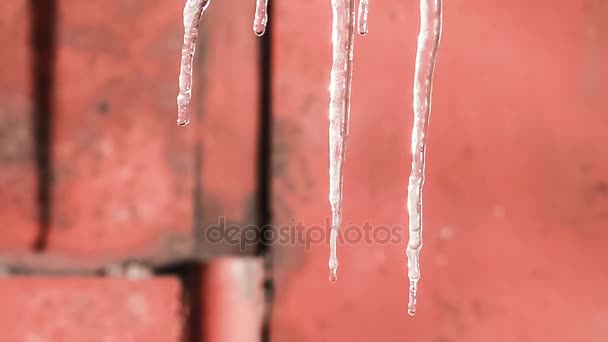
[188, 273]
[43, 24]
[199, 129]
[195, 272]
[265, 170]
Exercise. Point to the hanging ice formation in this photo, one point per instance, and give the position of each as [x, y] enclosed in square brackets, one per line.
[261, 17]
[428, 43]
[193, 12]
[343, 29]
[362, 17]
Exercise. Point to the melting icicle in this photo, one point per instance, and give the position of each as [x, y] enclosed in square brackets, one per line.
[343, 36]
[261, 17]
[193, 12]
[363, 13]
[428, 43]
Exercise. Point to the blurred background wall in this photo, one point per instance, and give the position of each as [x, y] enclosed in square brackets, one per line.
[107, 208]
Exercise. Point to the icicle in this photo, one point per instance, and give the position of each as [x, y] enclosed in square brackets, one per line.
[193, 12]
[343, 29]
[261, 17]
[363, 13]
[428, 43]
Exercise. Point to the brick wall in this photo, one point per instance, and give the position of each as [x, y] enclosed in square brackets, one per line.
[94, 172]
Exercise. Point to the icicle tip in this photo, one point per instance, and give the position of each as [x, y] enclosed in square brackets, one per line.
[411, 305]
[182, 122]
[259, 29]
[333, 276]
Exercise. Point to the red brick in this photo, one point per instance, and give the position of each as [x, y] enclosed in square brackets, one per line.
[233, 295]
[124, 173]
[90, 309]
[515, 197]
[228, 128]
[18, 207]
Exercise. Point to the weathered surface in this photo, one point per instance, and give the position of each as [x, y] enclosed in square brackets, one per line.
[125, 182]
[18, 202]
[90, 309]
[232, 300]
[515, 200]
[123, 172]
[228, 128]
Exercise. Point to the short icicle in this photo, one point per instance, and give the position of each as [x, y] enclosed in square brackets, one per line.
[193, 12]
[428, 43]
[261, 17]
[343, 28]
[362, 17]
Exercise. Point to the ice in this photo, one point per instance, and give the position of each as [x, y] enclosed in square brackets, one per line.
[343, 28]
[261, 17]
[193, 12]
[428, 43]
[362, 17]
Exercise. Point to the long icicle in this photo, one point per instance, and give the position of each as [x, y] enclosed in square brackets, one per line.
[261, 17]
[343, 29]
[428, 44]
[193, 12]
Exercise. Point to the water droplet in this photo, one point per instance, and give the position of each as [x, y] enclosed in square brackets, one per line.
[259, 30]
